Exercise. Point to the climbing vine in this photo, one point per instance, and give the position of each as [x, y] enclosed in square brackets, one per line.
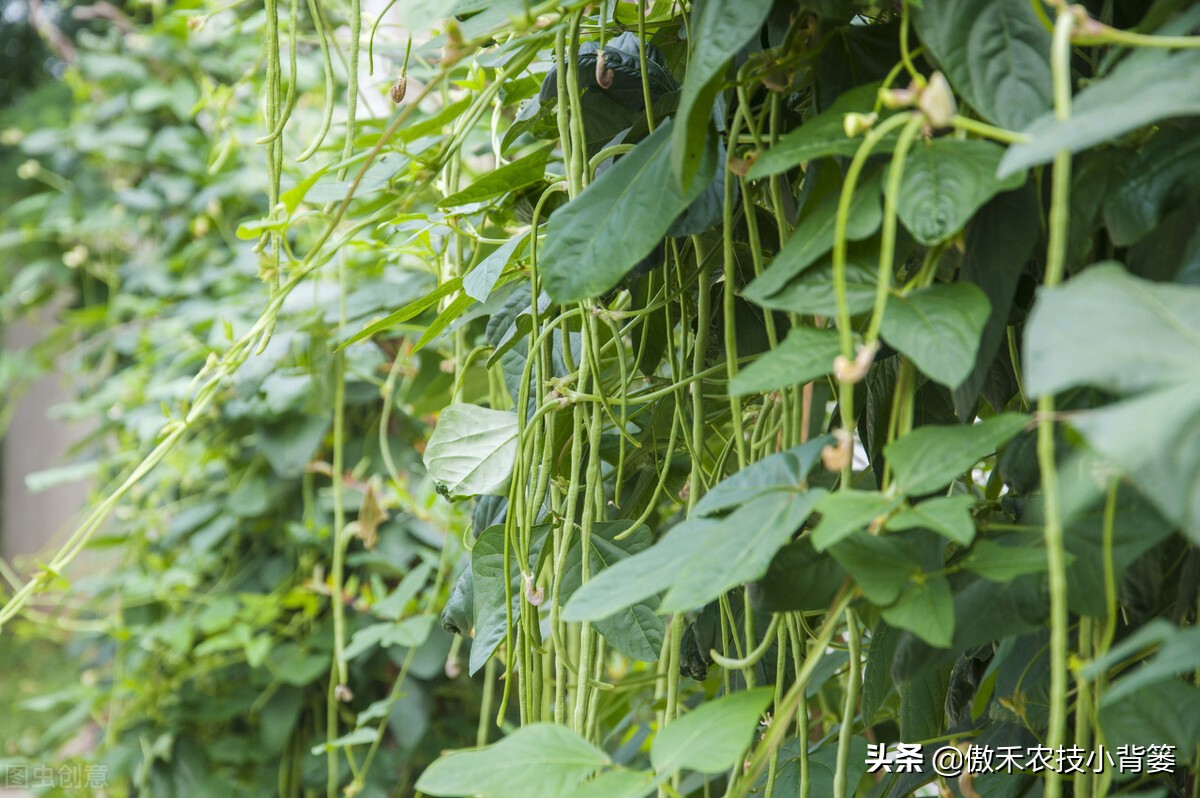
[701, 398]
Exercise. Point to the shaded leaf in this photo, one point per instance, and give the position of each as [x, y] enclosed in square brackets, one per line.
[593, 241]
[805, 354]
[939, 328]
[929, 457]
[995, 52]
[718, 31]
[712, 737]
[944, 182]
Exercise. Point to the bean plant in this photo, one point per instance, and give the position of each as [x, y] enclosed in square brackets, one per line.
[637, 398]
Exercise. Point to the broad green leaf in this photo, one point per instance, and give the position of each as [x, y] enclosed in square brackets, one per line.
[814, 236]
[784, 471]
[472, 449]
[479, 282]
[741, 550]
[712, 737]
[949, 516]
[1155, 440]
[1167, 168]
[999, 563]
[699, 559]
[944, 182]
[616, 783]
[1167, 713]
[925, 608]
[995, 52]
[593, 241]
[636, 630]
[939, 328]
[1125, 335]
[488, 589]
[820, 136]
[798, 579]
[845, 512]
[636, 579]
[923, 703]
[719, 30]
[929, 457]
[1113, 331]
[1148, 86]
[542, 760]
[999, 242]
[806, 353]
[813, 290]
[521, 173]
[1176, 652]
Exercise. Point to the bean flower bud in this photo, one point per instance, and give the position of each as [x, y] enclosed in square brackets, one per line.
[937, 102]
[398, 89]
[856, 125]
[837, 457]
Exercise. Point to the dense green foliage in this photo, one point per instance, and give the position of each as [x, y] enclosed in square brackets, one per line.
[854, 344]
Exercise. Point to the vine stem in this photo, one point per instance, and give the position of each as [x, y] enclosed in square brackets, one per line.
[1053, 532]
[853, 685]
[794, 698]
[841, 221]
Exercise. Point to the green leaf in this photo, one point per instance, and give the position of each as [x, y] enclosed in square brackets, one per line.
[636, 630]
[925, 608]
[593, 241]
[542, 760]
[1125, 335]
[405, 313]
[929, 457]
[741, 549]
[616, 783]
[479, 282]
[995, 52]
[1113, 331]
[357, 737]
[718, 32]
[798, 579]
[784, 471]
[521, 173]
[813, 237]
[1155, 441]
[472, 449]
[821, 136]
[880, 565]
[1177, 653]
[636, 579]
[805, 354]
[488, 589]
[712, 737]
[939, 328]
[1167, 168]
[999, 242]
[698, 559]
[814, 291]
[999, 563]
[944, 182]
[845, 512]
[1166, 713]
[1148, 86]
[949, 516]
[409, 633]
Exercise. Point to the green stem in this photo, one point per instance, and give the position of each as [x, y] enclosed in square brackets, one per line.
[1053, 532]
